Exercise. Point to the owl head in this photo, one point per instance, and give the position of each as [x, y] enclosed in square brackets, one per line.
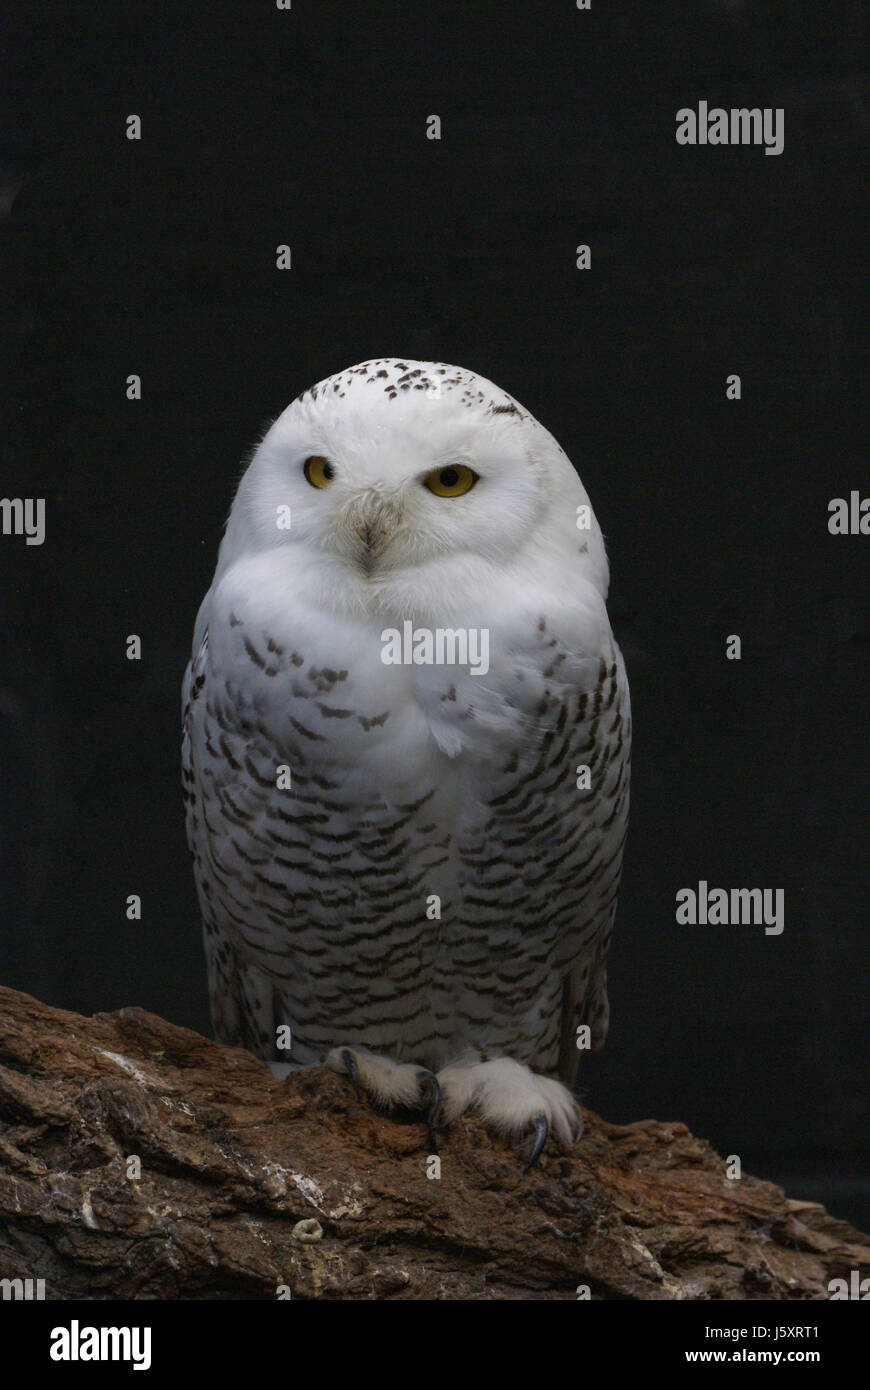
[397, 476]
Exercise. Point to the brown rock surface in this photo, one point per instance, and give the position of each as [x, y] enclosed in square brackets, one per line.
[232, 1161]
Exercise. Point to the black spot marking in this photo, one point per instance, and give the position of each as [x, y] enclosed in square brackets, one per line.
[254, 654]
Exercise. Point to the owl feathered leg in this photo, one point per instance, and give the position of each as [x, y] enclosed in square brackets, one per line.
[509, 1097]
[390, 1083]
[513, 1100]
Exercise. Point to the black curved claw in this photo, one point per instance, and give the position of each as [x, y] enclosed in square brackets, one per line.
[350, 1062]
[542, 1131]
[429, 1086]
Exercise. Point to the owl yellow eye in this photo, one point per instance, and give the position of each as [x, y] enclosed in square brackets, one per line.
[319, 471]
[452, 481]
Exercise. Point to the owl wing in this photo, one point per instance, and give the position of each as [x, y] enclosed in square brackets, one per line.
[542, 839]
[240, 998]
[607, 729]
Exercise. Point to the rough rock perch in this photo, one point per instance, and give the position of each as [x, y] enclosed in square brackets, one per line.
[249, 1184]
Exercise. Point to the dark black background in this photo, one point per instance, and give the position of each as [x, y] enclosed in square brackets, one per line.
[308, 127]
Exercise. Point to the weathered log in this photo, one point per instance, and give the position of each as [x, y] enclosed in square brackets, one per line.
[246, 1185]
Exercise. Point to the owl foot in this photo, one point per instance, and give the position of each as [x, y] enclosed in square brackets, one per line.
[514, 1100]
[390, 1083]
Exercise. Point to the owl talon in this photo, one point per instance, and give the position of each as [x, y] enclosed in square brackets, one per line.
[349, 1061]
[542, 1131]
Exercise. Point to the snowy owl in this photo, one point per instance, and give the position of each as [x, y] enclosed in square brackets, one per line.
[406, 752]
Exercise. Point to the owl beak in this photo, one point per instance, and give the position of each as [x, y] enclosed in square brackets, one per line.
[372, 521]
